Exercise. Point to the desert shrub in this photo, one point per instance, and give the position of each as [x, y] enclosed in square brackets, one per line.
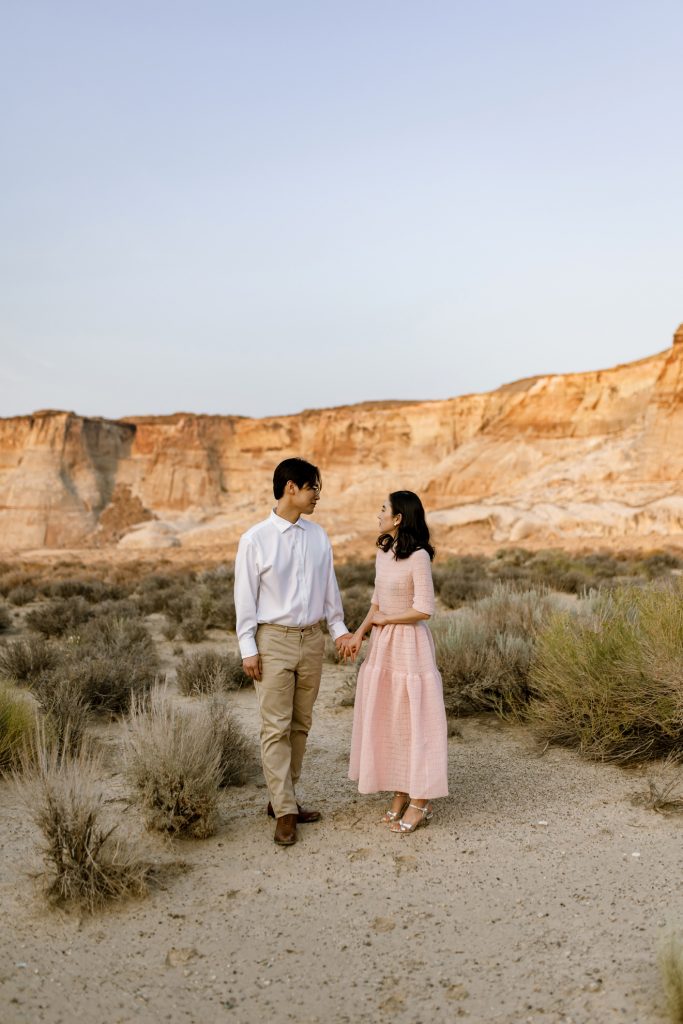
[14, 578]
[173, 761]
[660, 563]
[355, 574]
[220, 613]
[17, 723]
[356, 602]
[671, 966]
[237, 753]
[5, 618]
[54, 618]
[22, 594]
[84, 864]
[210, 672]
[169, 594]
[169, 630]
[93, 590]
[462, 579]
[608, 682]
[104, 664]
[193, 629]
[484, 653]
[25, 660]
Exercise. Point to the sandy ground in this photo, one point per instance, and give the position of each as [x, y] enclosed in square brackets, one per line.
[540, 892]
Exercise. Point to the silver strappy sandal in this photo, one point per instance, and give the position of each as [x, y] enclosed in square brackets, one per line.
[404, 828]
[391, 816]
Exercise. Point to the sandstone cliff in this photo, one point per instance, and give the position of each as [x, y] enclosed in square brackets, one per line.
[572, 459]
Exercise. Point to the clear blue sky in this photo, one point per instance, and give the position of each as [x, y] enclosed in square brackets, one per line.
[259, 207]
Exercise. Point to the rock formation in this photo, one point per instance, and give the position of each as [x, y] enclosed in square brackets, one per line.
[574, 459]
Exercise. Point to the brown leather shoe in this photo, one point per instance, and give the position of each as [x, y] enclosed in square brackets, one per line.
[303, 817]
[285, 830]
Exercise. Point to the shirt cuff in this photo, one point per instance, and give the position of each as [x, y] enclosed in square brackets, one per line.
[248, 648]
[337, 630]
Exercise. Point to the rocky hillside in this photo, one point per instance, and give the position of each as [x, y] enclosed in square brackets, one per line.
[571, 459]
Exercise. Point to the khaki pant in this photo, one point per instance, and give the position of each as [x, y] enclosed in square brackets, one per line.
[292, 662]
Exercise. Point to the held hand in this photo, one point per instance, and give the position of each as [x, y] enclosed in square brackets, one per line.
[252, 667]
[354, 645]
[341, 643]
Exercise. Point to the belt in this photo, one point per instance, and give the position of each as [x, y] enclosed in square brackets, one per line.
[291, 630]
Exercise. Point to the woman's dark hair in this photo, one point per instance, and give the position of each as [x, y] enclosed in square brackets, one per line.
[413, 532]
[299, 472]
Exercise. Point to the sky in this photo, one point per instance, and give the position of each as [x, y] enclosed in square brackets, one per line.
[254, 208]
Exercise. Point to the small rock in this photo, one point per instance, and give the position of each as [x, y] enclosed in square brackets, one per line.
[178, 957]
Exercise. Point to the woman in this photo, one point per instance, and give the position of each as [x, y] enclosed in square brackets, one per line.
[399, 739]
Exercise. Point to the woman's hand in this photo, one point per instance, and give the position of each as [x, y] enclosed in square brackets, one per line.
[379, 619]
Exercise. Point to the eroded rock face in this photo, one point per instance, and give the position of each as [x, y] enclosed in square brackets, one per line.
[558, 459]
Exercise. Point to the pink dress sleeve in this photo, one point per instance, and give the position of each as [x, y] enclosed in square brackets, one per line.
[423, 586]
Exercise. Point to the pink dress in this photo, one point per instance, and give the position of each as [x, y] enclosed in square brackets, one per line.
[399, 739]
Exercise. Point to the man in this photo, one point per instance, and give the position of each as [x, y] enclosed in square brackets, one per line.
[284, 586]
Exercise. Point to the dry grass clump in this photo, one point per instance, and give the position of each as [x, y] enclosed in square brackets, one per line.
[25, 660]
[17, 725]
[608, 682]
[484, 653]
[63, 615]
[210, 672]
[174, 762]
[237, 752]
[65, 711]
[83, 863]
[92, 589]
[665, 786]
[671, 966]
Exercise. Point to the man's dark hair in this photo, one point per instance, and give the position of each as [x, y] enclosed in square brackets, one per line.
[413, 532]
[299, 472]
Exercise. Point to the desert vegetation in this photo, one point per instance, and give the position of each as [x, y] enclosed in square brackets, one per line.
[84, 864]
[583, 650]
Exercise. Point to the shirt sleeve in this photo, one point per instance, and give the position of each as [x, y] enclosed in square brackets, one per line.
[334, 611]
[246, 597]
[423, 585]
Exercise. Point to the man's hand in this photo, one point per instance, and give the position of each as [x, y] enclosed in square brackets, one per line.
[252, 667]
[340, 643]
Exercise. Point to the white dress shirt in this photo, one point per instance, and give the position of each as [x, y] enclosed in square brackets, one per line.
[284, 574]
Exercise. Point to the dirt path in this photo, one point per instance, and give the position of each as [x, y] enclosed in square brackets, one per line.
[539, 893]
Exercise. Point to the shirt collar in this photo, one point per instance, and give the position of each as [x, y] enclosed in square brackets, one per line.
[284, 524]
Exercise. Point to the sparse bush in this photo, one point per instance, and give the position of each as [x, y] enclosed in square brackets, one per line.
[608, 683]
[110, 659]
[210, 672]
[5, 619]
[25, 660]
[671, 965]
[355, 574]
[17, 722]
[169, 630]
[117, 609]
[84, 864]
[356, 602]
[237, 754]
[174, 762]
[220, 613]
[193, 629]
[463, 579]
[22, 594]
[484, 653]
[54, 618]
[13, 579]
